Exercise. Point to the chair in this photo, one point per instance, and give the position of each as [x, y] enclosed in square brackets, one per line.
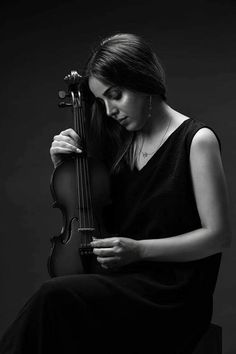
[211, 341]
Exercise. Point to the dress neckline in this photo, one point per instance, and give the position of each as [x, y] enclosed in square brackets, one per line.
[161, 147]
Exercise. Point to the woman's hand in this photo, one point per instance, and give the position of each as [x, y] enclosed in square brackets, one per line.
[66, 142]
[115, 252]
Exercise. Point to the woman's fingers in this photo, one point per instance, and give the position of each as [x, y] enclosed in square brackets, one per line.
[66, 142]
[72, 139]
[106, 242]
[63, 150]
[104, 252]
[107, 252]
[71, 133]
[108, 262]
[63, 145]
[64, 138]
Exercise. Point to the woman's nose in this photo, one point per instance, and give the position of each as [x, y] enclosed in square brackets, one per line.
[111, 109]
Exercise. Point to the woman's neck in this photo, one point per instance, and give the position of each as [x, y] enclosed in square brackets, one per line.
[159, 118]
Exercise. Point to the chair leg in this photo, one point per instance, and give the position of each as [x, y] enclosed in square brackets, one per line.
[211, 342]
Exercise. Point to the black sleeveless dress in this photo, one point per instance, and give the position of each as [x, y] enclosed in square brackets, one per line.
[146, 307]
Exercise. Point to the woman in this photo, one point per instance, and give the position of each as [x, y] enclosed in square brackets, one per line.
[169, 210]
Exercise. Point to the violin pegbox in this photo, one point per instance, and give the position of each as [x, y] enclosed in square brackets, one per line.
[73, 81]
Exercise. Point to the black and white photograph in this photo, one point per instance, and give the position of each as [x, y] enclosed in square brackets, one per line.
[118, 194]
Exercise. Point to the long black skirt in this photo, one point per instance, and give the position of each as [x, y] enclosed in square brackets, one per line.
[109, 314]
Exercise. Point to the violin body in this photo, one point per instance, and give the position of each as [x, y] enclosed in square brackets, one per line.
[71, 252]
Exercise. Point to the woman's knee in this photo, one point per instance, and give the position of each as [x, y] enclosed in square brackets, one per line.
[57, 294]
[52, 287]
[70, 289]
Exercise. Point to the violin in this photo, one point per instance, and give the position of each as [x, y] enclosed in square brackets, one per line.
[80, 189]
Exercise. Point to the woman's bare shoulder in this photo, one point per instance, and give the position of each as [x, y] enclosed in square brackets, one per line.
[205, 138]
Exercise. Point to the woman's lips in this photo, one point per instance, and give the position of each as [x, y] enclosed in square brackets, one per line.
[122, 119]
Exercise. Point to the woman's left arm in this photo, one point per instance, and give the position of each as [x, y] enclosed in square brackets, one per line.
[212, 203]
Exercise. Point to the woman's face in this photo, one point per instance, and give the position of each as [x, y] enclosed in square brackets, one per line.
[128, 108]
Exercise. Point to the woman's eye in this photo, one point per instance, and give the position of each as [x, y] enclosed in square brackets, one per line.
[116, 95]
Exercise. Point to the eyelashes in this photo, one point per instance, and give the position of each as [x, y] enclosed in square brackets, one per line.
[116, 95]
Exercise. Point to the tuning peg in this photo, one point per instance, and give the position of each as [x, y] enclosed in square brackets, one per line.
[73, 78]
[62, 94]
[64, 104]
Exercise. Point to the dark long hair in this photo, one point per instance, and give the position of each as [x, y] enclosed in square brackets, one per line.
[124, 60]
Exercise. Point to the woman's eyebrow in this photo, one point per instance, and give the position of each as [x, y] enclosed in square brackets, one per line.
[106, 92]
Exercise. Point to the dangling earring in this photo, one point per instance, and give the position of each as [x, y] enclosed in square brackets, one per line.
[150, 107]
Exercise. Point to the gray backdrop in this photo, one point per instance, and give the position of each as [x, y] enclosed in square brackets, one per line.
[196, 43]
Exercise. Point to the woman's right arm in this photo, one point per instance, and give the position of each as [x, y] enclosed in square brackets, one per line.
[66, 142]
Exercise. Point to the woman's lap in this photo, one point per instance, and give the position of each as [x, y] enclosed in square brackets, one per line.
[74, 313]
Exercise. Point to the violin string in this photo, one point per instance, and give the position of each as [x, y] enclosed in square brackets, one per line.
[76, 167]
[88, 185]
[81, 189]
[78, 184]
[83, 180]
[84, 187]
[78, 188]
